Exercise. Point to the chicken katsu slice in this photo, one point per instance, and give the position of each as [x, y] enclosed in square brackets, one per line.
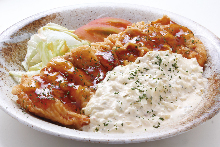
[73, 81]
[160, 35]
[48, 105]
[57, 93]
[106, 55]
[194, 49]
[164, 34]
[84, 58]
[73, 74]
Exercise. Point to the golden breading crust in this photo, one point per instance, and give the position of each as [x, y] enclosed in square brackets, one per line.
[66, 84]
[56, 110]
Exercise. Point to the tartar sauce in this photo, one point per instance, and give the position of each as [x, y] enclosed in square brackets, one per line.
[154, 90]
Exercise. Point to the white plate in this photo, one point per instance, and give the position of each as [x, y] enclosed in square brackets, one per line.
[13, 46]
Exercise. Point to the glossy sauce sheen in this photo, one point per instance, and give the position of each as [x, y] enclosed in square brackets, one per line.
[155, 37]
[61, 80]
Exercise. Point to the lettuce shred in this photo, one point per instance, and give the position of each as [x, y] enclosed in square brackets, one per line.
[51, 40]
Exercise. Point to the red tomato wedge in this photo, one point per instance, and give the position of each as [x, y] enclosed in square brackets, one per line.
[97, 30]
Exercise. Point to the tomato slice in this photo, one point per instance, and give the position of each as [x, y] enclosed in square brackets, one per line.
[97, 30]
[111, 21]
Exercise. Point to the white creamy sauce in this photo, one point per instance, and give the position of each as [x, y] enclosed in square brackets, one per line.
[156, 89]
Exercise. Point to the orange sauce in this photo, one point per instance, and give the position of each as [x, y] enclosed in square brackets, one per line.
[158, 38]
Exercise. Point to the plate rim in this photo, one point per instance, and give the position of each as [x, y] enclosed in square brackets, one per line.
[98, 138]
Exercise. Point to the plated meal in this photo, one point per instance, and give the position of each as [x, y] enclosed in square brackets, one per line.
[138, 63]
[114, 75]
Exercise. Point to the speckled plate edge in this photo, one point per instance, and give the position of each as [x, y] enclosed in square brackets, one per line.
[8, 105]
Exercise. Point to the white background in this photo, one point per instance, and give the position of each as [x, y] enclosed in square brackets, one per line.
[204, 12]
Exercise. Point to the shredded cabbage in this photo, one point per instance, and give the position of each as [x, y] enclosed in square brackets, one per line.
[52, 40]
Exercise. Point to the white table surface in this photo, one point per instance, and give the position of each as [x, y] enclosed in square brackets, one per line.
[15, 134]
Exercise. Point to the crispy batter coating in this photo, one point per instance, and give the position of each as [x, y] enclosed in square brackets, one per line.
[66, 84]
